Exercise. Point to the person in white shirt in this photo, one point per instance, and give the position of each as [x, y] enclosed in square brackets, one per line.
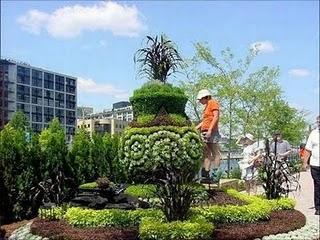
[249, 171]
[312, 151]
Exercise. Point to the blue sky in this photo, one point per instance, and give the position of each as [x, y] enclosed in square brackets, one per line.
[96, 41]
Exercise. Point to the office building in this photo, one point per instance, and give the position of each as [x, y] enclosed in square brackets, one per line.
[122, 111]
[41, 94]
[102, 126]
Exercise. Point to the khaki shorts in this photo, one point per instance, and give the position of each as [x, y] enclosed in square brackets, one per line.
[215, 137]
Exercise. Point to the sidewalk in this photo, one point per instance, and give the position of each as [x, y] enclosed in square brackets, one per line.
[304, 197]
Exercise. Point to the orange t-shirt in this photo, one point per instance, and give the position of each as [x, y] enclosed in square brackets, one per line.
[208, 115]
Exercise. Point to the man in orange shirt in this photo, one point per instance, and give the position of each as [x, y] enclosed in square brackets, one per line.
[210, 133]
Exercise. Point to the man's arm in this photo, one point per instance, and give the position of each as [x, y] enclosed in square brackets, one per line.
[305, 159]
[289, 150]
[199, 126]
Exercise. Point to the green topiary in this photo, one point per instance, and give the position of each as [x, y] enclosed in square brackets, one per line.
[143, 149]
[154, 95]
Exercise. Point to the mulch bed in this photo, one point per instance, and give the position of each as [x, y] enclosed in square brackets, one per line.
[9, 228]
[221, 198]
[280, 222]
[59, 230]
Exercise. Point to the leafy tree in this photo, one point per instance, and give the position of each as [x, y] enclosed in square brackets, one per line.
[159, 59]
[116, 169]
[250, 101]
[80, 156]
[19, 165]
[99, 157]
[57, 172]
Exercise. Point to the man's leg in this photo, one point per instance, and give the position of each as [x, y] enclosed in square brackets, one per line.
[216, 155]
[206, 163]
[315, 173]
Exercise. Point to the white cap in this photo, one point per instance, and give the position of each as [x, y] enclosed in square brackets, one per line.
[203, 93]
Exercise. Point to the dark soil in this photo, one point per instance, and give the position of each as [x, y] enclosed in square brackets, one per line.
[280, 222]
[59, 230]
[221, 198]
[9, 228]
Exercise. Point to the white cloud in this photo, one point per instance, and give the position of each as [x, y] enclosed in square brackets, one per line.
[299, 72]
[71, 21]
[90, 86]
[263, 47]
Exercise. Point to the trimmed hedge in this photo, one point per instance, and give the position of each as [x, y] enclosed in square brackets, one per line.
[154, 95]
[257, 209]
[151, 120]
[152, 229]
[109, 217]
[142, 149]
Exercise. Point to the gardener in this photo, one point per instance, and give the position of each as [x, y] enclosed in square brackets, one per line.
[210, 133]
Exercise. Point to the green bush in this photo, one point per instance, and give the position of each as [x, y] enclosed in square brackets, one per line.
[108, 217]
[154, 95]
[54, 213]
[141, 190]
[143, 149]
[282, 204]
[152, 229]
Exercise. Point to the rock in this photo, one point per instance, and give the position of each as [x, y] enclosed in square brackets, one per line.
[125, 206]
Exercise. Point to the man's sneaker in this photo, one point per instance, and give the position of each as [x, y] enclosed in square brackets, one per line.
[204, 173]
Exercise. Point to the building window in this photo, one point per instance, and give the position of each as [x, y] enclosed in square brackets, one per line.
[23, 75]
[36, 114]
[70, 101]
[36, 96]
[23, 93]
[36, 78]
[60, 115]
[59, 99]
[48, 114]
[70, 85]
[70, 130]
[59, 83]
[48, 81]
[25, 108]
[48, 98]
[70, 117]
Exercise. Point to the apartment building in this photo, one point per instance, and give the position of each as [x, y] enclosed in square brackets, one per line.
[102, 126]
[39, 93]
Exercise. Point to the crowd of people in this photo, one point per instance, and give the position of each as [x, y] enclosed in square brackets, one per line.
[253, 151]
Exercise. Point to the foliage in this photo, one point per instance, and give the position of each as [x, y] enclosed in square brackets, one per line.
[151, 120]
[153, 229]
[153, 96]
[141, 190]
[276, 177]
[116, 170]
[159, 59]
[80, 156]
[282, 204]
[53, 213]
[90, 185]
[144, 149]
[57, 173]
[99, 159]
[19, 168]
[108, 217]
